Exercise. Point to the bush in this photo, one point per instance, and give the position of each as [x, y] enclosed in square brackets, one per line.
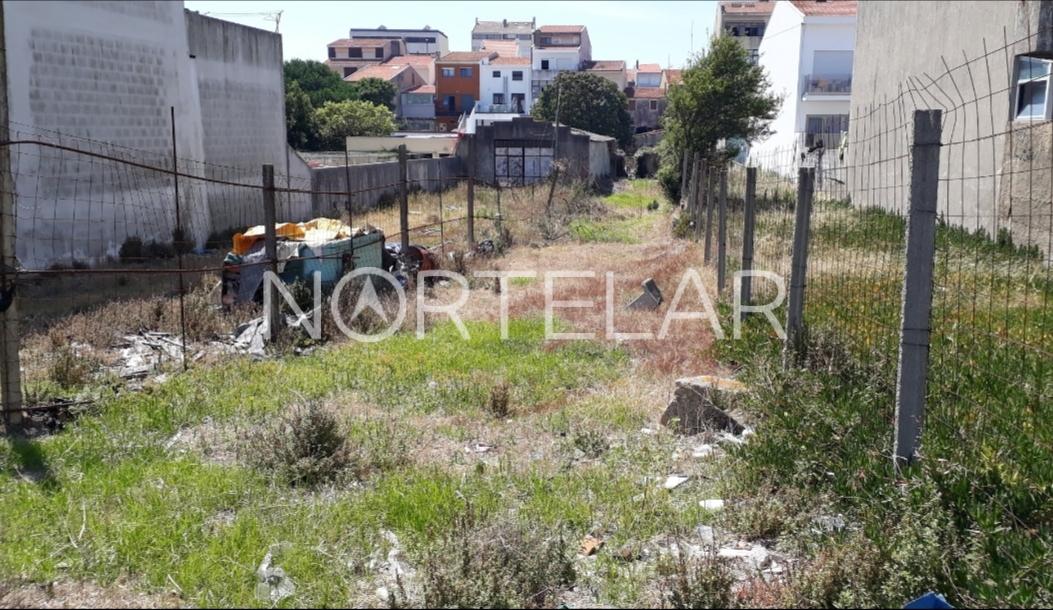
[498, 404]
[696, 582]
[304, 447]
[132, 250]
[503, 565]
[669, 180]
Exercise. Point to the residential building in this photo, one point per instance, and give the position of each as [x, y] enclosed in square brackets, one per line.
[403, 76]
[646, 106]
[745, 21]
[423, 64]
[347, 55]
[519, 32]
[558, 48]
[504, 48]
[505, 86]
[612, 70]
[671, 77]
[457, 85]
[423, 41]
[418, 108]
[647, 76]
[807, 54]
[995, 170]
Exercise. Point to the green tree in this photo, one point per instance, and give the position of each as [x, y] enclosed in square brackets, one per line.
[722, 97]
[317, 80]
[301, 129]
[588, 102]
[376, 91]
[338, 120]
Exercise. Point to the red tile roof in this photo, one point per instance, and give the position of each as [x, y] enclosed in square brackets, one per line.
[673, 76]
[606, 65]
[649, 93]
[737, 7]
[466, 57]
[648, 68]
[423, 89]
[384, 71]
[561, 29]
[409, 60]
[510, 61]
[826, 8]
[508, 48]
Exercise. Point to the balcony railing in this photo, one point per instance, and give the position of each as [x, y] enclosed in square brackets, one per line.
[827, 84]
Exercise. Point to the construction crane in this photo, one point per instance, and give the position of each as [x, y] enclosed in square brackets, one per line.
[275, 16]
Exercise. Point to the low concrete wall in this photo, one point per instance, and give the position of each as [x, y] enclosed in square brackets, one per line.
[373, 183]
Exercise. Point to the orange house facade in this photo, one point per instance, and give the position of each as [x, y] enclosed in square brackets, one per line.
[457, 77]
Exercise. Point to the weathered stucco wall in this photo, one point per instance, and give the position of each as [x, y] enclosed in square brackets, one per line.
[957, 57]
[374, 183]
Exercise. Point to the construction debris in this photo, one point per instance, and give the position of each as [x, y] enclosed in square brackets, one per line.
[591, 545]
[694, 406]
[675, 480]
[650, 299]
[273, 585]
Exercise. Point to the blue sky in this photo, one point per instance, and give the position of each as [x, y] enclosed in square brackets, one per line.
[654, 32]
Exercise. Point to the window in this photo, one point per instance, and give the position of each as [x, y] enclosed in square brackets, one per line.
[450, 104]
[546, 40]
[754, 56]
[356, 52]
[499, 98]
[825, 128]
[654, 104]
[378, 52]
[517, 75]
[544, 64]
[497, 74]
[466, 72]
[519, 102]
[1032, 88]
[447, 72]
[332, 53]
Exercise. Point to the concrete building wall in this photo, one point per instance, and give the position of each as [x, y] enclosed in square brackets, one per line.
[780, 56]
[987, 155]
[497, 78]
[373, 184]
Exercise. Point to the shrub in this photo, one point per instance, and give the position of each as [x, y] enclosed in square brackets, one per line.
[696, 582]
[669, 180]
[67, 368]
[304, 447]
[498, 404]
[131, 250]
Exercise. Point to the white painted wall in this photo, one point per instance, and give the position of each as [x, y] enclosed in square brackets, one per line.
[490, 84]
[780, 56]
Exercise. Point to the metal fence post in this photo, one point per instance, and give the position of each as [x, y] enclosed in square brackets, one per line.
[711, 174]
[10, 369]
[917, 285]
[795, 332]
[270, 244]
[722, 231]
[749, 220]
[471, 193]
[404, 198]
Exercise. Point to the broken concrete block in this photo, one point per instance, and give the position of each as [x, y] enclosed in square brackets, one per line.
[674, 480]
[694, 406]
[650, 299]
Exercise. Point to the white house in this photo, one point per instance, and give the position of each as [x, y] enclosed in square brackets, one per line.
[807, 53]
[558, 48]
[505, 86]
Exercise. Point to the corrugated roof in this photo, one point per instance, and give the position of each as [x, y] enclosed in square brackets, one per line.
[737, 7]
[561, 29]
[606, 64]
[503, 27]
[503, 60]
[382, 71]
[826, 8]
[466, 57]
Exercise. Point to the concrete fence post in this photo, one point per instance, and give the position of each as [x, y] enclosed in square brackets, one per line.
[722, 231]
[471, 193]
[795, 330]
[912, 377]
[683, 178]
[404, 198]
[710, 197]
[749, 220]
[696, 203]
[10, 368]
[270, 244]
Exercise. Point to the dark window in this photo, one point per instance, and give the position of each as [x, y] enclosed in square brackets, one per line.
[379, 52]
[356, 52]
[546, 40]
[654, 104]
[544, 64]
[332, 53]
[447, 72]
[466, 72]
[499, 98]
[825, 128]
[518, 102]
[517, 75]
[450, 103]
[497, 74]
[420, 39]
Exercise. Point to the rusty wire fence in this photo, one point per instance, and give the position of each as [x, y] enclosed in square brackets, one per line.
[927, 248]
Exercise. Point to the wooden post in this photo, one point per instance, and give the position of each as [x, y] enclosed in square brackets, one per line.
[404, 198]
[684, 156]
[722, 231]
[700, 173]
[270, 244]
[912, 377]
[10, 369]
[710, 196]
[750, 218]
[471, 192]
[795, 337]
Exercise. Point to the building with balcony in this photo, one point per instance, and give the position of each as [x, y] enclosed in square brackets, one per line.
[346, 56]
[423, 41]
[457, 85]
[520, 33]
[505, 85]
[558, 48]
[807, 52]
[745, 21]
